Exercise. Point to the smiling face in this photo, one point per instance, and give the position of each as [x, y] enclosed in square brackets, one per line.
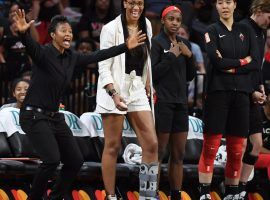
[20, 91]
[134, 9]
[225, 8]
[62, 36]
[172, 22]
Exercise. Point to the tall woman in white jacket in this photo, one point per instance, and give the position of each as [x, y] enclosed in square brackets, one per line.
[124, 86]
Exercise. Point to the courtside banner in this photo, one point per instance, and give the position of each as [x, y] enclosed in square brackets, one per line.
[9, 120]
[1, 127]
[76, 126]
[93, 122]
[195, 128]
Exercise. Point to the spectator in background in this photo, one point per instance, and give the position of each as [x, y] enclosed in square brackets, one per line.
[19, 88]
[84, 46]
[15, 56]
[98, 13]
[203, 17]
[86, 77]
[71, 14]
[199, 63]
[43, 11]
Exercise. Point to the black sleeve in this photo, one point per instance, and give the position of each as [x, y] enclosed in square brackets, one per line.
[33, 48]
[99, 55]
[211, 48]
[254, 65]
[160, 63]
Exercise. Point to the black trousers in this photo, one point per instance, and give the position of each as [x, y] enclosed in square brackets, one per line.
[54, 142]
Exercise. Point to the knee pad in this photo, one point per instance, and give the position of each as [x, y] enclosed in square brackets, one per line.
[234, 157]
[209, 151]
[148, 181]
[249, 159]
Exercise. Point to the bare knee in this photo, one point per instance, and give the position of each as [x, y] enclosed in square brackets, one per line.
[112, 148]
[177, 157]
[151, 148]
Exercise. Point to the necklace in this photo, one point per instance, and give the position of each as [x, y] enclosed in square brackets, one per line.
[132, 29]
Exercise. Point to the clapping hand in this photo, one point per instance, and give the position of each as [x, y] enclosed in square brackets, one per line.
[20, 21]
[136, 40]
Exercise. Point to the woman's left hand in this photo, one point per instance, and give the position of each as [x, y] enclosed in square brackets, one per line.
[184, 49]
[135, 40]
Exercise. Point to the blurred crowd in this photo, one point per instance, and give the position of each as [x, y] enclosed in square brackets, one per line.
[88, 18]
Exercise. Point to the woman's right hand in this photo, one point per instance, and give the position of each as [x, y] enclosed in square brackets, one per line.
[119, 102]
[20, 21]
[135, 40]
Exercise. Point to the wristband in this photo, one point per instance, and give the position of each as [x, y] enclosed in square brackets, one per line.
[112, 92]
[243, 62]
[115, 93]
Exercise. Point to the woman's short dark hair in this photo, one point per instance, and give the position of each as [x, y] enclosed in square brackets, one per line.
[58, 19]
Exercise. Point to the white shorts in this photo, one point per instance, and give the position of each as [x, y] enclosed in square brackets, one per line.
[134, 95]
